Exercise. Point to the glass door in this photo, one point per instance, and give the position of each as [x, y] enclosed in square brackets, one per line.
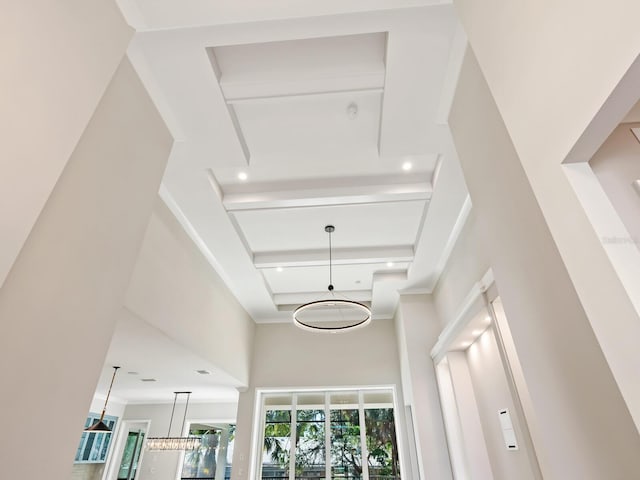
[132, 449]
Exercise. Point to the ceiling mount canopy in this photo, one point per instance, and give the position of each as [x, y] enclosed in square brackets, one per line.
[333, 314]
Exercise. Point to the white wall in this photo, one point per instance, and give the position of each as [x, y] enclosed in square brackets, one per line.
[492, 393]
[467, 264]
[617, 164]
[176, 290]
[472, 455]
[114, 408]
[59, 303]
[417, 329]
[286, 356]
[57, 62]
[166, 465]
[574, 398]
[554, 83]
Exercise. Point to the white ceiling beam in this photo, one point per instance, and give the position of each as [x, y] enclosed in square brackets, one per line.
[340, 256]
[230, 110]
[289, 301]
[327, 196]
[262, 97]
[245, 93]
[391, 276]
[150, 15]
[404, 128]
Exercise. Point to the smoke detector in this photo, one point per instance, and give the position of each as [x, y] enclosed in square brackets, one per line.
[352, 110]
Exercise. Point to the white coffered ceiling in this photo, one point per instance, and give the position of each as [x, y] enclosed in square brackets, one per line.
[319, 104]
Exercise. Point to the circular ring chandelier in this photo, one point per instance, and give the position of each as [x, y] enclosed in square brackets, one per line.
[333, 314]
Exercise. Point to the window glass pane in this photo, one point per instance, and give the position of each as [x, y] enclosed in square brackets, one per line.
[277, 399]
[346, 455]
[310, 444]
[129, 462]
[310, 401]
[345, 398]
[94, 446]
[277, 444]
[201, 462]
[214, 452]
[378, 396]
[228, 453]
[89, 445]
[382, 445]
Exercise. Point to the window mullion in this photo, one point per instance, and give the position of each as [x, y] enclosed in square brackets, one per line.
[327, 436]
[292, 441]
[221, 463]
[263, 425]
[363, 437]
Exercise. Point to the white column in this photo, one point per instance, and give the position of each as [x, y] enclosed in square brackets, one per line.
[59, 303]
[473, 438]
[459, 463]
[417, 330]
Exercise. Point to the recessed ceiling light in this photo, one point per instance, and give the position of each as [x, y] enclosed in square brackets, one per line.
[358, 281]
[148, 380]
[203, 372]
[389, 264]
[279, 269]
[132, 373]
[242, 176]
[406, 166]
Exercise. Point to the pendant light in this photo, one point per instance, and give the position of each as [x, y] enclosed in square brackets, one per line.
[175, 443]
[331, 315]
[100, 426]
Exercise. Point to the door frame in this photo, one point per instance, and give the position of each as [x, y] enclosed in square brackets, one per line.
[114, 460]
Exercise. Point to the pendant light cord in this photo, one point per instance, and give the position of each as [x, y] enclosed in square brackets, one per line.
[115, 370]
[330, 265]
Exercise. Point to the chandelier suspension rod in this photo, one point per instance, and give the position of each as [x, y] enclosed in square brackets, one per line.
[175, 398]
[184, 419]
[329, 229]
